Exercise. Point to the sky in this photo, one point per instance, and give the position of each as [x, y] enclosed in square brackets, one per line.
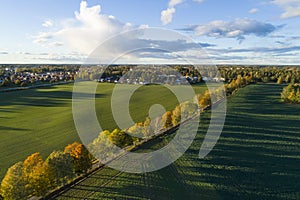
[156, 31]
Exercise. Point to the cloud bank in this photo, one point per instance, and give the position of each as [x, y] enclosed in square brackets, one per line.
[90, 29]
[239, 28]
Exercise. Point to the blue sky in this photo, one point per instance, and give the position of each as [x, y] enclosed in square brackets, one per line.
[235, 31]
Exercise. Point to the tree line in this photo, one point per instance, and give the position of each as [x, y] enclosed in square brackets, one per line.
[265, 74]
[291, 94]
[35, 176]
[108, 144]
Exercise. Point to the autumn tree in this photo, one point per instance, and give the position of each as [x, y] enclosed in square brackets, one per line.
[120, 138]
[82, 159]
[291, 94]
[61, 166]
[13, 183]
[37, 175]
[101, 147]
[205, 100]
[188, 109]
[137, 130]
[167, 119]
[279, 80]
[176, 115]
[148, 127]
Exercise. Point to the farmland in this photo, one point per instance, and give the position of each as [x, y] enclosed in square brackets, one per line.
[41, 119]
[256, 157]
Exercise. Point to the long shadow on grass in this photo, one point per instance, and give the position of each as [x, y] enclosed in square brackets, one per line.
[6, 128]
[42, 98]
[256, 157]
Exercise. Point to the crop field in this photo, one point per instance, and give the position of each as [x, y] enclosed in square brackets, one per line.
[256, 157]
[41, 119]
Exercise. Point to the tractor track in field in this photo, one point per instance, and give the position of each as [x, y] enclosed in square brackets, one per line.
[102, 185]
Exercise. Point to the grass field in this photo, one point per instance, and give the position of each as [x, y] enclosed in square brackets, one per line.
[41, 119]
[257, 157]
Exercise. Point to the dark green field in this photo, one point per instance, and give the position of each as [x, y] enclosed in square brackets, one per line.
[257, 157]
[41, 119]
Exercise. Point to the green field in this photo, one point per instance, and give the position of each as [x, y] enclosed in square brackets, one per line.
[41, 119]
[257, 157]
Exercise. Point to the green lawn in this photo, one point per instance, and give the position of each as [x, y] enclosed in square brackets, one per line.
[256, 157]
[41, 119]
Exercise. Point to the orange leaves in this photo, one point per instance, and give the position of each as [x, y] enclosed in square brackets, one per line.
[81, 157]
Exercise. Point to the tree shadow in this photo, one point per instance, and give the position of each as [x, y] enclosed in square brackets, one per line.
[256, 157]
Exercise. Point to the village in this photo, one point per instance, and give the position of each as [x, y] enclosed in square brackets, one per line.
[16, 77]
[11, 76]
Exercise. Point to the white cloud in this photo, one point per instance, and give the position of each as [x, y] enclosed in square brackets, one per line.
[238, 29]
[253, 11]
[291, 7]
[167, 15]
[173, 3]
[42, 38]
[198, 1]
[87, 30]
[47, 23]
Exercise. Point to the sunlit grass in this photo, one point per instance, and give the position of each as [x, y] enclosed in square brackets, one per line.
[257, 157]
[41, 119]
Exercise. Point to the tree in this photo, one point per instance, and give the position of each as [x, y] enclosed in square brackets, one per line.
[32, 161]
[167, 119]
[287, 78]
[38, 175]
[6, 82]
[291, 93]
[176, 115]
[279, 80]
[17, 82]
[205, 100]
[148, 127]
[136, 130]
[188, 109]
[81, 157]
[61, 166]
[239, 81]
[120, 138]
[101, 147]
[13, 184]
[41, 179]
